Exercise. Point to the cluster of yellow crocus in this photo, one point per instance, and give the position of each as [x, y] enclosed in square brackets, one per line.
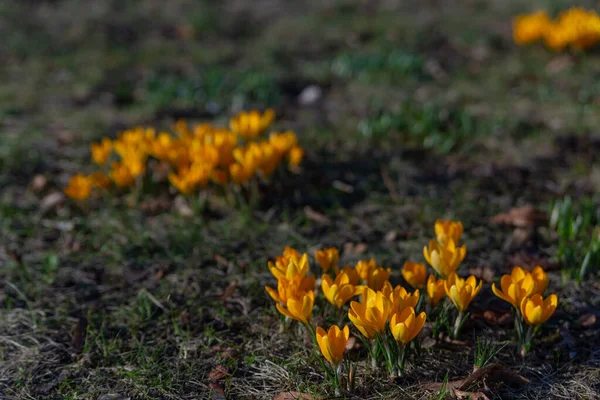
[196, 155]
[524, 290]
[575, 27]
[294, 297]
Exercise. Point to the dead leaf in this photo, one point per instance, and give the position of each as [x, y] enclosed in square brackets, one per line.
[500, 319]
[221, 260]
[559, 64]
[216, 391]
[491, 376]
[316, 216]
[229, 290]
[218, 373]
[521, 217]
[51, 201]
[390, 236]
[358, 248]
[342, 187]
[459, 394]
[295, 396]
[38, 183]
[162, 271]
[587, 320]
[182, 207]
[79, 334]
[351, 344]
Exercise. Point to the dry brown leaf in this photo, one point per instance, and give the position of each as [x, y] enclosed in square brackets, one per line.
[358, 248]
[216, 391]
[221, 260]
[351, 343]
[229, 290]
[459, 394]
[587, 320]
[79, 333]
[51, 201]
[219, 372]
[492, 375]
[295, 396]
[38, 183]
[391, 236]
[316, 216]
[500, 319]
[521, 217]
[183, 207]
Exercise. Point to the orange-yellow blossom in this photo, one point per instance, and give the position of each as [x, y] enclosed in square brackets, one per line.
[536, 310]
[338, 292]
[399, 298]
[371, 314]
[333, 342]
[530, 28]
[405, 325]
[444, 259]
[540, 278]
[299, 308]
[378, 277]
[291, 288]
[462, 291]
[515, 287]
[101, 151]
[448, 230]
[415, 274]
[328, 258]
[79, 187]
[436, 290]
[364, 268]
[252, 124]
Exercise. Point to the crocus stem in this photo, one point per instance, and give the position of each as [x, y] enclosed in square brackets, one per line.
[374, 354]
[401, 359]
[457, 324]
[336, 382]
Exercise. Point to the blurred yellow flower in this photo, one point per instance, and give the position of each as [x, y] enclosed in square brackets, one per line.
[462, 291]
[79, 187]
[530, 28]
[444, 259]
[328, 258]
[541, 279]
[364, 268]
[415, 274]
[371, 314]
[296, 156]
[536, 310]
[291, 288]
[378, 277]
[252, 124]
[405, 325]
[99, 179]
[448, 230]
[436, 290]
[333, 342]
[101, 151]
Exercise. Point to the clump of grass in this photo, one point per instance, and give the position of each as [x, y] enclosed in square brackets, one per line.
[485, 350]
[376, 66]
[578, 237]
[428, 126]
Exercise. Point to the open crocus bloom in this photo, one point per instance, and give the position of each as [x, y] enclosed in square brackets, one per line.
[446, 258]
[536, 310]
[462, 291]
[405, 325]
[333, 342]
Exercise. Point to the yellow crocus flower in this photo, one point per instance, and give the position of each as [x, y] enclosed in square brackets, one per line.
[436, 290]
[364, 268]
[448, 230]
[378, 277]
[328, 258]
[536, 310]
[338, 292]
[371, 314]
[79, 187]
[333, 343]
[530, 28]
[444, 259]
[291, 288]
[415, 274]
[462, 291]
[540, 278]
[299, 308]
[406, 325]
[515, 287]
[101, 151]
[399, 298]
